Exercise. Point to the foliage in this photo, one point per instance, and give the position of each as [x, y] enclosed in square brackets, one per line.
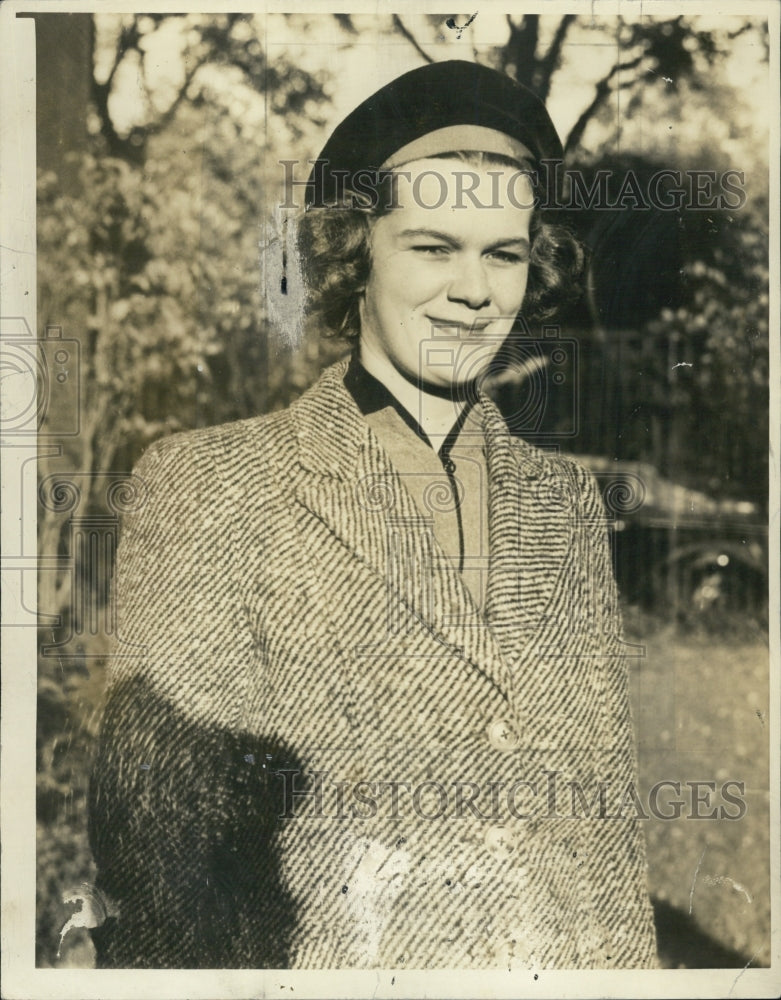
[153, 263]
[679, 297]
[723, 322]
[68, 697]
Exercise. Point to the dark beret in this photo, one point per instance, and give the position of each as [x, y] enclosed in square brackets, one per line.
[433, 97]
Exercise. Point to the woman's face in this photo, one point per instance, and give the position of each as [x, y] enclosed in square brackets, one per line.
[449, 271]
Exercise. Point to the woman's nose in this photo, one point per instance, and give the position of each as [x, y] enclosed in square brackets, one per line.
[470, 285]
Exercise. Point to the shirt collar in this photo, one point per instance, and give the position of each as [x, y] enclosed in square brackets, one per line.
[371, 395]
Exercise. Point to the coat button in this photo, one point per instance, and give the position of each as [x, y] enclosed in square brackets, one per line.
[502, 736]
[500, 841]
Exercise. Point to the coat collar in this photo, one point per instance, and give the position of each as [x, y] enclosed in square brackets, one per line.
[332, 434]
[347, 480]
[330, 430]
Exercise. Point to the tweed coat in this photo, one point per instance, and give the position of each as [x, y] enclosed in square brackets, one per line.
[323, 754]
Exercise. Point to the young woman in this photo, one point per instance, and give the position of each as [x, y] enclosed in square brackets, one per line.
[382, 698]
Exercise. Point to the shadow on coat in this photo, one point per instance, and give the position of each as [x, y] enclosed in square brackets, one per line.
[183, 821]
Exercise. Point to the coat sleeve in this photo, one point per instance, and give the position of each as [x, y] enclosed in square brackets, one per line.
[619, 841]
[183, 802]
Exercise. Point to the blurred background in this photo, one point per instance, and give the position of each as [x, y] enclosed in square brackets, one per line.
[161, 253]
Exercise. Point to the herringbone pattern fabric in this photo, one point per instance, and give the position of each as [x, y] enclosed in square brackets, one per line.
[293, 613]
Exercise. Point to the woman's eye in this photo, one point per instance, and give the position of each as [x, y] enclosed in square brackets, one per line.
[505, 257]
[432, 249]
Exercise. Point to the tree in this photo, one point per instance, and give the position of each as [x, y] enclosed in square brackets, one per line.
[655, 53]
[150, 259]
[229, 43]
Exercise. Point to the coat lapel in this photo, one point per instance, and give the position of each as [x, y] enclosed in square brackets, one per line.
[346, 479]
[532, 524]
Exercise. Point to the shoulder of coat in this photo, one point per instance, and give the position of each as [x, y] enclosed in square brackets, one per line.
[224, 442]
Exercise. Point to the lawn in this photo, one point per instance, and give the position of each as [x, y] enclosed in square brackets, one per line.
[701, 714]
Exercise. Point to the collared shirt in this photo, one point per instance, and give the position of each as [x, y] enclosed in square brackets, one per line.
[449, 486]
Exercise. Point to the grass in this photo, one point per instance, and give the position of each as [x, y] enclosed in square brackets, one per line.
[701, 714]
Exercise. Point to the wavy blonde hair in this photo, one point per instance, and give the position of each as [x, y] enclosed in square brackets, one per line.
[334, 245]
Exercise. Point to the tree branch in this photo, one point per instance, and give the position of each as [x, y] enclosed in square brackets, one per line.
[521, 47]
[602, 92]
[550, 61]
[398, 24]
[127, 40]
[577, 130]
[620, 67]
[732, 35]
[345, 21]
[167, 115]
